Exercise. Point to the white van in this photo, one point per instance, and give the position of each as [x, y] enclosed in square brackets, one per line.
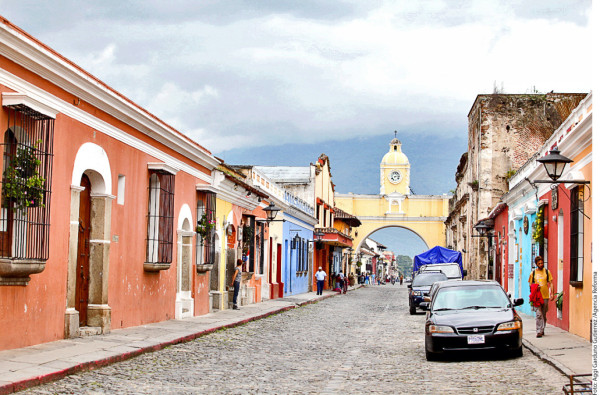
[451, 270]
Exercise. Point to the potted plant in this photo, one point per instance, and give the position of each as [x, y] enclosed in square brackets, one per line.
[559, 300]
[204, 227]
[538, 226]
[22, 184]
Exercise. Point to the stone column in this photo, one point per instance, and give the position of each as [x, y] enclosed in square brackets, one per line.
[99, 314]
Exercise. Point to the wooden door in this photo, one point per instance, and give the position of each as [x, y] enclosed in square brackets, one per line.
[82, 284]
[498, 268]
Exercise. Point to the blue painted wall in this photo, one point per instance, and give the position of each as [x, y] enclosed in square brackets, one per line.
[526, 253]
[295, 275]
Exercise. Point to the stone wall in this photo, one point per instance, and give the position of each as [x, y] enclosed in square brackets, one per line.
[504, 132]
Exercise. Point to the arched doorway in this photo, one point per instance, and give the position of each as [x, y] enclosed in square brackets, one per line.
[184, 302]
[89, 244]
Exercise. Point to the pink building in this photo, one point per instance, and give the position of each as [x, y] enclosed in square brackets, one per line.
[100, 201]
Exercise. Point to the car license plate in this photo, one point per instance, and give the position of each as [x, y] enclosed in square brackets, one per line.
[476, 339]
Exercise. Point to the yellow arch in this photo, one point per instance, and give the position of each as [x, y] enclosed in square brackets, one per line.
[424, 215]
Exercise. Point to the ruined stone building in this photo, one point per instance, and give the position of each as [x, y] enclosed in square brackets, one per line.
[505, 130]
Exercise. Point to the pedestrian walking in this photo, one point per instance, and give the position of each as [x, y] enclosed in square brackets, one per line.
[320, 276]
[340, 281]
[236, 279]
[401, 279]
[543, 278]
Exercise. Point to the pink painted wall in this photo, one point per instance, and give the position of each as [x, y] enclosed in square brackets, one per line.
[35, 313]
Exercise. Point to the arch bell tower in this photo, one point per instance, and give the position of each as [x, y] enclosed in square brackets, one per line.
[394, 171]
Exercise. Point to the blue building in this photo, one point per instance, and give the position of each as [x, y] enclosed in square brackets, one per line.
[298, 245]
[523, 204]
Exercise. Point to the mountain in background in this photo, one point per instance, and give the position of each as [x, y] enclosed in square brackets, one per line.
[355, 162]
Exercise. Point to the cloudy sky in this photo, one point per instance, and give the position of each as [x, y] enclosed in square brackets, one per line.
[278, 82]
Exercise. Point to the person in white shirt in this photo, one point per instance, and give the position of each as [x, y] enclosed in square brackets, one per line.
[320, 276]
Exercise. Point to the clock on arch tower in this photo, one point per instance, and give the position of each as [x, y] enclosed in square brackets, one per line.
[395, 171]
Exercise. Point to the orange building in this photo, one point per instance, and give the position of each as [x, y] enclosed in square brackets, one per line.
[99, 207]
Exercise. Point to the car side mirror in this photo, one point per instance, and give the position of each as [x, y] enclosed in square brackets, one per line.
[464, 273]
[518, 302]
[424, 305]
[409, 286]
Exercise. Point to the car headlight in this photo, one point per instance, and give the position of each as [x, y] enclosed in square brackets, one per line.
[440, 329]
[417, 293]
[509, 326]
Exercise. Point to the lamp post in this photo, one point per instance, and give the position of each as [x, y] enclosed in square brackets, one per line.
[271, 211]
[483, 229]
[318, 236]
[554, 164]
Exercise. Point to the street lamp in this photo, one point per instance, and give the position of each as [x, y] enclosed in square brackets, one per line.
[319, 236]
[272, 211]
[482, 228]
[555, 164]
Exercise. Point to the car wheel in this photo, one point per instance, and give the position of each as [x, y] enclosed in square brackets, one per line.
[518, 353]
[412, 310]
[430, 356]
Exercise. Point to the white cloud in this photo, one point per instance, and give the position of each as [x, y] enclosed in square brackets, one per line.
[246, 78]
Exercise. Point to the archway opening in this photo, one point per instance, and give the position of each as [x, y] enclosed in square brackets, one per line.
[396, 248]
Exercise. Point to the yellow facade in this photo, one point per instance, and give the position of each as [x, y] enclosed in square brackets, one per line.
[395, 206]
[580, 301]
[224, 214]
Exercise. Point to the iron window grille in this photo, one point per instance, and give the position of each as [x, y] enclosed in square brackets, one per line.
[161, 188]
[205, 246]
[260, 240]
[305, 242]
[248, 247]
[298, 256]
[26, 185]
[576, 246]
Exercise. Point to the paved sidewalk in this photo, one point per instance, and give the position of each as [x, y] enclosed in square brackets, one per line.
[567, 352]
[30, 366]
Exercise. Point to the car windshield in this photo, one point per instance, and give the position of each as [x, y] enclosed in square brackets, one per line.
[470, 297]
[451, 271]
[426, 279]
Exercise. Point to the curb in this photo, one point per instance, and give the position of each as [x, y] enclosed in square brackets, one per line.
[86, 366]
[550, 361]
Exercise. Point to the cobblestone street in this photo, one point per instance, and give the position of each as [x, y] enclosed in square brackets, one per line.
[361, 342]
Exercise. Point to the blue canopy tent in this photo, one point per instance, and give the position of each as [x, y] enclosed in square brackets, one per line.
[437, 255]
